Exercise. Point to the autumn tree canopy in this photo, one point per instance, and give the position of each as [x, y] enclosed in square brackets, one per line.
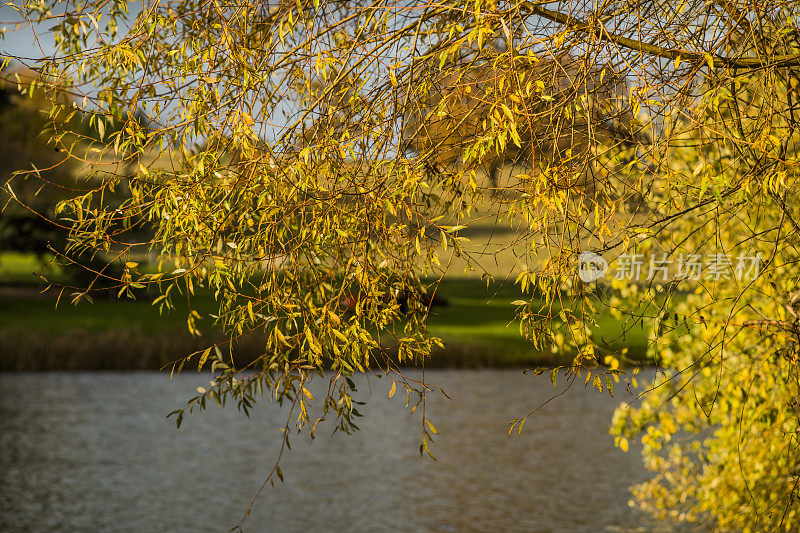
[303, 154]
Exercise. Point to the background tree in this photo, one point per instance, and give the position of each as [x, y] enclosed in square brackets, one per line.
[23, 147]
[37, 173]
[319, 192]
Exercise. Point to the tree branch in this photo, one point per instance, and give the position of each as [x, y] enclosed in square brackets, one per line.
[684, 55]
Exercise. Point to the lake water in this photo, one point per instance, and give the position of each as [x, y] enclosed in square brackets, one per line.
[94, 452]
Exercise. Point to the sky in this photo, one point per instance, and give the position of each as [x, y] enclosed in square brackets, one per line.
[19, 40]
[26, 44]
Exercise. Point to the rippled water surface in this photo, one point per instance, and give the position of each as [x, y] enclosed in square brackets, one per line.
[94, 452]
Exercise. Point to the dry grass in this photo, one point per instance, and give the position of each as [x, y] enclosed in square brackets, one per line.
[23, 349]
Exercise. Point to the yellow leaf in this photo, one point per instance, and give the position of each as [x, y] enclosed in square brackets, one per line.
[280, 337]
[597, 383]
[432, 427]
[709, 61]
[203, 358]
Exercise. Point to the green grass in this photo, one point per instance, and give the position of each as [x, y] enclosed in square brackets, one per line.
[483, 319]
[18, 267]
[477, 326]
[102, 315]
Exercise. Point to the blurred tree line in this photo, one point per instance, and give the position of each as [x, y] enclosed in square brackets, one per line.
[28, 150]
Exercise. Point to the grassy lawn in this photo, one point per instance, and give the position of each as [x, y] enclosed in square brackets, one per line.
[41, 314]
[477, 326]
[484, 319]
[17, 267]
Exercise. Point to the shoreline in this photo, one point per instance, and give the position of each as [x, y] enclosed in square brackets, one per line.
[131, 335]
[132, 349]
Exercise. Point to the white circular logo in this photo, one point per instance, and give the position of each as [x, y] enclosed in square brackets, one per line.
[591, 267]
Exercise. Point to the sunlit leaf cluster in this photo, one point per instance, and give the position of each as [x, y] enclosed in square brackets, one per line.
[317, 166]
